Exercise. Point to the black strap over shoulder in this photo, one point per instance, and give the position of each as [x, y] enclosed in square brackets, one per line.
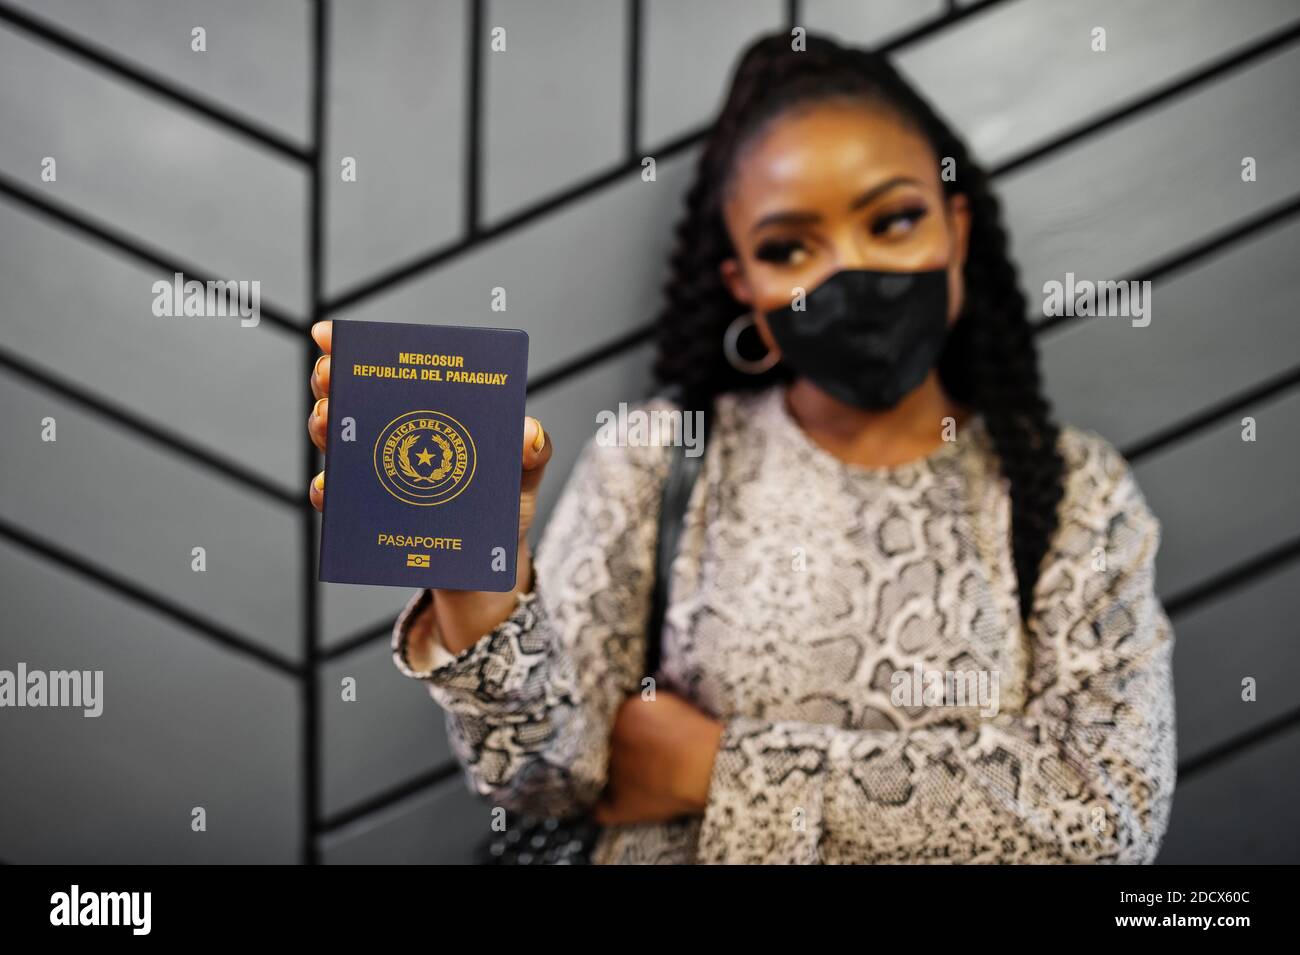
[531, 840]
[672, 510]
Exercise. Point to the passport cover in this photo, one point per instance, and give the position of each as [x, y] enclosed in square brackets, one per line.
[426, 492]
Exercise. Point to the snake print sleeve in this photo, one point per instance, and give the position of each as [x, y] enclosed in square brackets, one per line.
[1081, 769]
[529, 706]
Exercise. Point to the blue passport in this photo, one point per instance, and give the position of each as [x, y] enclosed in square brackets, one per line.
[422, 463]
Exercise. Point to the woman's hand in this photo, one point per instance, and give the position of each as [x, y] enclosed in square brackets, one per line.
[462, 616]
[661, 761]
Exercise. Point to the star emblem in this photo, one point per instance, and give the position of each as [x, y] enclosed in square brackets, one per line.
[424, 457]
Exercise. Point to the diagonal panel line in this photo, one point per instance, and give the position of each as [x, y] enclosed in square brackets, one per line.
[484, 234]
[1176, 88]
[1233, 577]
[359, 640]
[1134, 452]
[388, 797]
[124, 69]
[424, 263]
[942, 22]
[1238, 744]
[1185, 259]
[1229, 406]
[1179, 603]
[1222, 239]
[168, 608]
[1172, 264]
[478, 236]
[169, 440]
[1174, 607]
[581, 363]
[1147, 446]
[131, 246]
[1191, 256]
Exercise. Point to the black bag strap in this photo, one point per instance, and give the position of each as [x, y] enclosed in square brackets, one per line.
[672, 510]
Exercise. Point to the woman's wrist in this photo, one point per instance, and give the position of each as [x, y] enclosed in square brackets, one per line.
[418, 640]
[463, 617]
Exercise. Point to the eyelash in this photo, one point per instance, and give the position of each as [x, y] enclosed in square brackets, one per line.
[912, 214]
[780, 251]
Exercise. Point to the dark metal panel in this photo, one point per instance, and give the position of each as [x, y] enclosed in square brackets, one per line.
[99, 332]
[1104, 208]
[184, 724]
[132, 508]
[1222, 500]
[619, 237]
[256, 59]
[1242, 811]
[1021, 72]
[690, 48]
[153, 169]
[397, 106]
[1215, 331]
[1249, 633]
[443, 825]
[554, 98]
[390, 733]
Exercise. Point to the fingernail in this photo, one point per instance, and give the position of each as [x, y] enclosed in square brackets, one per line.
[319, 482]
[318, 361]
[539, 442]
[317, 410]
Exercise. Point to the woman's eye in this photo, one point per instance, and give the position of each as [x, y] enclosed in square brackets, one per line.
[782, 251]
[898, 223]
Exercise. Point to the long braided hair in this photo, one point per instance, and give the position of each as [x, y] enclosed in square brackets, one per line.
[990, 362]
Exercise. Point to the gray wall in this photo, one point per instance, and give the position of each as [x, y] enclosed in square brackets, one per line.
[521, 170]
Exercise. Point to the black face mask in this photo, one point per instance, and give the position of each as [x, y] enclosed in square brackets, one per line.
[867, 338]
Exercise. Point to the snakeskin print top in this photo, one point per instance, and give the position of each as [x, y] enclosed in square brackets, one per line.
[830, 616]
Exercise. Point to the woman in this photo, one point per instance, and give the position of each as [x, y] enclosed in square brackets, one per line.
[886, 513]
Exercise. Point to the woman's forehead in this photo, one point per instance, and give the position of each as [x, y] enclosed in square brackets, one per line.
[827, 153]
